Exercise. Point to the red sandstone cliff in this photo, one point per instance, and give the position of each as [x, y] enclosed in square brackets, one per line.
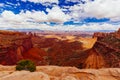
[104, 54]
[108, 46]
[37, 55]
[12, 47]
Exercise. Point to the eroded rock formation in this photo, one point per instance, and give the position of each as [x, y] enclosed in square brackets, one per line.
[108, 46]
[12, 47]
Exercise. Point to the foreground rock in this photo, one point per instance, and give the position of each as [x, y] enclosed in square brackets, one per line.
[59, 73]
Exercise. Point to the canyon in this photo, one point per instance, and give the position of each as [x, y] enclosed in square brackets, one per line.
[102, 50]
[60, 56]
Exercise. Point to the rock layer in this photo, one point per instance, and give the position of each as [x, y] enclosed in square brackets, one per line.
[108, 46]
[61, 73]
[13, 46]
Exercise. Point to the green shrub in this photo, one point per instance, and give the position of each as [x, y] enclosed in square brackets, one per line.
[26, 65]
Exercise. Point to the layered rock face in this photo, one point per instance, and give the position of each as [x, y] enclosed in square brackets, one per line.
[104, 54]
[58, 51]
[108, 46]
[12, 47]
[38, 56]
[59, 73]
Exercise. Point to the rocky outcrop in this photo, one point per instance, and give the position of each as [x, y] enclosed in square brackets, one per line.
[60, 73]
[38, 56]
[101, 35]
[110, 54]
[108, 46]
[13, 47]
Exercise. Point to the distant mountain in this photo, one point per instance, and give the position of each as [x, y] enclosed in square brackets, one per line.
[60, 30]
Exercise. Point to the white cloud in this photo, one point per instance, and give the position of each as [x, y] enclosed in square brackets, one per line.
[32, 19]
[56, 15]
[9, 16]
[9, 20]
[1, 5]
[29, 25]
[77, 12]
[107, 8]
[97, 26]
[37, 16]
[98, 8]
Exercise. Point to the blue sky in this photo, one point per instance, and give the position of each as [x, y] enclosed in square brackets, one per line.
[85, 15]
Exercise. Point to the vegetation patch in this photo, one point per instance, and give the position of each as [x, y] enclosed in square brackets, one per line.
[26, 65]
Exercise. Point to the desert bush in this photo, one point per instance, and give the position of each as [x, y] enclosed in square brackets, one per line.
[26, 65]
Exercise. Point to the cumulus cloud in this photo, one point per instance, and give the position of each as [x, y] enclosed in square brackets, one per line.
[36, 19]
[20, 21]
[98, 9]
[9, 16]
[56, 15]
[36, 16]
[107, 8]
[29, 25]
[32, 19]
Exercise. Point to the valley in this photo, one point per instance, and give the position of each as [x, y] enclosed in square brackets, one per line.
[61, 48]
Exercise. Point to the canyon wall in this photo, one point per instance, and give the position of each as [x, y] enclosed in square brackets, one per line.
[13, 48]
[108, 46]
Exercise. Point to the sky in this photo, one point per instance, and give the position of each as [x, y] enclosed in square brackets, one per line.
[67, 15]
